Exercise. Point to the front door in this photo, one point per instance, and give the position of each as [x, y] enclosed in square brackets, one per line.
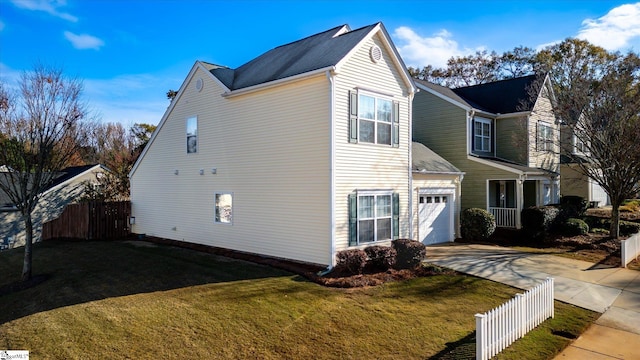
[434, 213]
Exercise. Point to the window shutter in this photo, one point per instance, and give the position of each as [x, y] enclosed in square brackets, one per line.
[353, 116]
[353, 219]
[396, 124]
[538, 146]
[396, 215]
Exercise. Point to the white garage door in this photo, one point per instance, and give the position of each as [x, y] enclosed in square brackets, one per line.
[435, 219]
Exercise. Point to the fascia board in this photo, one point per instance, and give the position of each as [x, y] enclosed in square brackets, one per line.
[397, 60]
[196, 65]
[270, 84]
[68, 181]
[492, 164]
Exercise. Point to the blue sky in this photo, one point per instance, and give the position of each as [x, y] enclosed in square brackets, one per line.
[130, 52]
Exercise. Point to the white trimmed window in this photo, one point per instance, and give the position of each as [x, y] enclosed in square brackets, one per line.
[482, 135]
[373, 216]
[579, 147]
[192, 135]
[224, 208]
[545, 137]
[374, 119]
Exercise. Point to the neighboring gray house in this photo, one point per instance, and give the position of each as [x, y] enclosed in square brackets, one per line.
[66, 188]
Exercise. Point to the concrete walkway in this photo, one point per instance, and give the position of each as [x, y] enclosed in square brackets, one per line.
[614, 292]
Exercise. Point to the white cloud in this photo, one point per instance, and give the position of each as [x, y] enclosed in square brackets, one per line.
[51, 7]
[420, 51]
[615, 30]
[84, 41]
[129, 99]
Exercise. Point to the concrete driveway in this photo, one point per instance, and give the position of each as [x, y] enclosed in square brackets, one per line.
[614, 292]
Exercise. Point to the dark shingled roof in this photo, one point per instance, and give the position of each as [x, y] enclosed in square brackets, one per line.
[314, 52]
[500, 97]
[60, 177]
[426, 161]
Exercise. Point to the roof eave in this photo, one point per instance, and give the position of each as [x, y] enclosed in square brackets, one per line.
[270, 84]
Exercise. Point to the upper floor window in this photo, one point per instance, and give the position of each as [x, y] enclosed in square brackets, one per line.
[579, 146]
[373, 119]
[192, 135]
[545, 137]
[482, 135]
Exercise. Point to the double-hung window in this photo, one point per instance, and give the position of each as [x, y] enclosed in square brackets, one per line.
[223, 208]
[374, 119]
[545, 137]
[374, 216]
[482, 135]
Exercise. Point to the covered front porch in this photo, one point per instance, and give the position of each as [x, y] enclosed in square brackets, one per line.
[507, 197]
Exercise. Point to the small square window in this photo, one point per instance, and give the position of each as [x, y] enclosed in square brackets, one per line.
[224, 208]
[429, 199]
[436, 199]
[444, 199]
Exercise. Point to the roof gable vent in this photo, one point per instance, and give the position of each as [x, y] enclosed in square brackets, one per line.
[376, 53]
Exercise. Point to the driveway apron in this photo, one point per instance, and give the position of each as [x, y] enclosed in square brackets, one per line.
[614, 292]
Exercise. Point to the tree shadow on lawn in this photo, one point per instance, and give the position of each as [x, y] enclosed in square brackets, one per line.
[74, 272]
[463, 349]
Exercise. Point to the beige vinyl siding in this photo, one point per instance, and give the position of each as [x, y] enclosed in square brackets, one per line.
[542, 112]
[362, 166]
[511, 139]
[442, 126]
[423, 181]
[270, 148]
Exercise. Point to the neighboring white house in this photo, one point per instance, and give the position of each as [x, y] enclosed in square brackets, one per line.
[300, 153]
[68, 186]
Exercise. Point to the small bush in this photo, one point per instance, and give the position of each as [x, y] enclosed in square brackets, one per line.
[600, 231]
[629, 228]
[409, 253]
[477, 224]
[351, 261]
[573, 206]
[631, 205]
[381, 258]
[573, 227]
[538, 221]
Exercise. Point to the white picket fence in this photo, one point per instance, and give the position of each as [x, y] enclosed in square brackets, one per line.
[500, 327]
[630, 249]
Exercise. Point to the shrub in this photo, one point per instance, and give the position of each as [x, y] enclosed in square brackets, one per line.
[573, 206]
[573, 227]
[477, 224]
[538, 221]
[600, 231]
[631, 205]
[409, 253]
[351, 261]
[381, 258]
[629, 228]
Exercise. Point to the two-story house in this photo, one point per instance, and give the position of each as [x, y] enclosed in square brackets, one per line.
[503, 135]
[300, 153]
[573, 181]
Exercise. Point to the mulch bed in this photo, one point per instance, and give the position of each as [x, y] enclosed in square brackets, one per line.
[373, 278]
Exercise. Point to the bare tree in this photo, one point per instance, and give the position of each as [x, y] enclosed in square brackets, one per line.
[42, 126]
[602, 114]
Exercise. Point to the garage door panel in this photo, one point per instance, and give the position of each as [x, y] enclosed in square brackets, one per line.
[435, 218]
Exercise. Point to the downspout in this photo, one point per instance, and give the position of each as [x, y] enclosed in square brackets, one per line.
[332, 177]
[410, 145]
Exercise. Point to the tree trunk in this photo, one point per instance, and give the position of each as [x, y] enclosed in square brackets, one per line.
[26, 265]
[614, 230]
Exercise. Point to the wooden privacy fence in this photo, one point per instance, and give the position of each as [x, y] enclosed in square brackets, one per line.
[500, 327]
[90, 220]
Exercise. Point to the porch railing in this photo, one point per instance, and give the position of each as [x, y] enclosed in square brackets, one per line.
[505, 217]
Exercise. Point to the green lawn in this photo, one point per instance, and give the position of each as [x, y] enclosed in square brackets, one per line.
[118, 300]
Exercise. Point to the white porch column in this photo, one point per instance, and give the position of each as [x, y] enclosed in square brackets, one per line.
[519, 200]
